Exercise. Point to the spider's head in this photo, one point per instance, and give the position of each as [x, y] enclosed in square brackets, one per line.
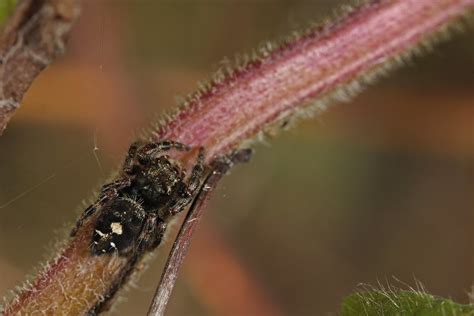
[157, 183]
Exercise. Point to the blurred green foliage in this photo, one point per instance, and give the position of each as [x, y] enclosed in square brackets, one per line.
[381, 302]
[6, 7]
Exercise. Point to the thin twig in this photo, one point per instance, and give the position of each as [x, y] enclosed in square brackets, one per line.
[33, 37]
[181, 245]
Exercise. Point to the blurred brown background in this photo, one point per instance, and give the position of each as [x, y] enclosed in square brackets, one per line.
[377, 189]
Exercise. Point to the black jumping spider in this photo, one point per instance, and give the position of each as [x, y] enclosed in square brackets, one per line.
[135, 208]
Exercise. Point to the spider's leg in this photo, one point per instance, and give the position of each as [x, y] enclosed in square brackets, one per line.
[186, 191]
[91, 209]
[219, 166]
[150, 150]
[111, 189]
[166, 145]
[129, 160]
[107, 192]
[151, 235]
[197, 173]
[225, 163]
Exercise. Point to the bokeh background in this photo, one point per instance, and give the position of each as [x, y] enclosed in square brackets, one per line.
[373, 191]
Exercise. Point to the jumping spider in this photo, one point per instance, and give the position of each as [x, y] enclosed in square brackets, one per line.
[135, 208]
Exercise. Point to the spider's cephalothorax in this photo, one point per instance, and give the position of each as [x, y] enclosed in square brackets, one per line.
[134, 209]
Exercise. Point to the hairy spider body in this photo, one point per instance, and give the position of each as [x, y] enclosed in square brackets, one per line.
[134, 209]
[121, 220]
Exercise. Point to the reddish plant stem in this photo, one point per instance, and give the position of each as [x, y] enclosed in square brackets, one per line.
[263, 93]
[320, 63]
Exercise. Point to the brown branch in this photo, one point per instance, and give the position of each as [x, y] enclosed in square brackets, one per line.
[181, 245]
[258, 95]
[33, 37]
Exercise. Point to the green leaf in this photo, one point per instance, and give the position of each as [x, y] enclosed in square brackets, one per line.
[402, 303]
[6, 7]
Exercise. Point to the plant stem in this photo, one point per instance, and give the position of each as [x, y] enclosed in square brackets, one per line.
[326, 63]
[181, 245]
[34, 36]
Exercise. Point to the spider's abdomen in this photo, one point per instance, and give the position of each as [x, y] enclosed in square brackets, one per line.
[118, 227]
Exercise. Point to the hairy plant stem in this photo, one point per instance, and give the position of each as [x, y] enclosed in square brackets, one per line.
[303, 75]
[257, 96]
[180, 248]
